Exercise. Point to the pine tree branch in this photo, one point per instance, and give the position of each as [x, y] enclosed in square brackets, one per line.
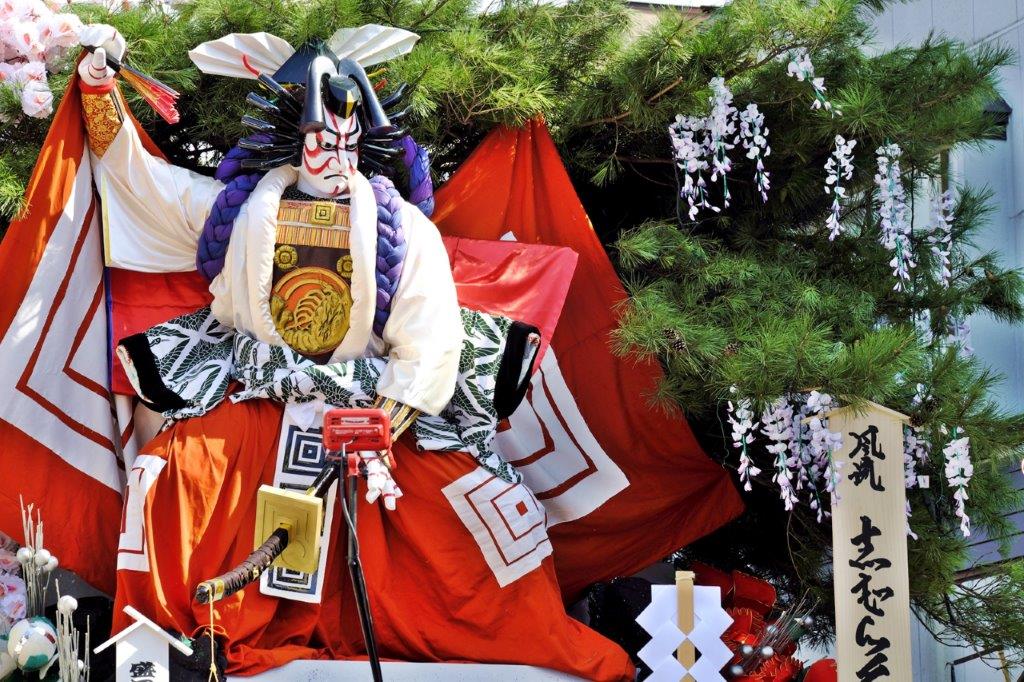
[638, 160]
[426, 15]
[653, 99]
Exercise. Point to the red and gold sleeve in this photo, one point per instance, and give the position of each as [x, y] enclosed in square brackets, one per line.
[103, 109]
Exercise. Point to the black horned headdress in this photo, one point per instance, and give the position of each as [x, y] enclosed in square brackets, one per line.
[300, 85]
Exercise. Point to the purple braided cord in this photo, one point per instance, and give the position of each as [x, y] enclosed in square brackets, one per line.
[213, 242]
[421, 189]
[391, 248]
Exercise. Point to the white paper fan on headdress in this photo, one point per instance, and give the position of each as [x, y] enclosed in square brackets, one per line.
[245, 55]
[371, 44]
[242, 55]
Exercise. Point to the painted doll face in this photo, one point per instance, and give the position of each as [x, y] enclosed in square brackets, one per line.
[329, 157]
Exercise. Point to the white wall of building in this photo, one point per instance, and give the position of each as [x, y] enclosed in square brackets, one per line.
[999, 167]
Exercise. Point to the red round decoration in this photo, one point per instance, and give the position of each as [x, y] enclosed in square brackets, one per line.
[822, 671]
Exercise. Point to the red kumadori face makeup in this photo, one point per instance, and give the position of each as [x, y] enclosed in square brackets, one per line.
[329, 157]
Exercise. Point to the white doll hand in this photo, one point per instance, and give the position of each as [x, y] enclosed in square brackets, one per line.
[379, 483]
[102, 40]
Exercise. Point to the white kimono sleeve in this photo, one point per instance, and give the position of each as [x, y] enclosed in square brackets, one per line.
[153, 212]
[424, 331]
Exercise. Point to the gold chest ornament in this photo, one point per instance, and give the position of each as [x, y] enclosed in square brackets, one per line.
[311, 298]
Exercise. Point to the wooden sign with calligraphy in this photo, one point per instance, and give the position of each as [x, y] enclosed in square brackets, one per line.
[869, 542]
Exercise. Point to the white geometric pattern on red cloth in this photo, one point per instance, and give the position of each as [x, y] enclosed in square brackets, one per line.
[52, 358]
[132, 551]
[551, 445]
[506, 521]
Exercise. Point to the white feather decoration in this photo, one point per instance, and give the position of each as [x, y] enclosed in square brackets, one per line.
[371, 44]
[242, 55]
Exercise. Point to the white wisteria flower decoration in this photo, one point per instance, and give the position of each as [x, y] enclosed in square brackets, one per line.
[701, 146]
[839, 170]
[915, 451]
[894, 213]
[959, 471]
[741, 417]
[721, 130]
[778, 428]
[796, 429]
[801, 68]
[689, 150]
[940, 235]
[753, 135]
[824, 442]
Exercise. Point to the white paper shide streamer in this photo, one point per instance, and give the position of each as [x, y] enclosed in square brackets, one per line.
[661, 620]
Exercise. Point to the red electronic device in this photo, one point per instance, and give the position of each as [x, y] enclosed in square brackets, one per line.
[357, 430]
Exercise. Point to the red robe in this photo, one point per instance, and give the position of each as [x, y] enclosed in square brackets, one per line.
[433, 596]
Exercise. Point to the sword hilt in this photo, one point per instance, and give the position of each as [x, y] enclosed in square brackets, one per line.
[250, 570]
[247, 572]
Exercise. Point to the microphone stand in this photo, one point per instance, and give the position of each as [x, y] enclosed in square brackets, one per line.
[350, 503]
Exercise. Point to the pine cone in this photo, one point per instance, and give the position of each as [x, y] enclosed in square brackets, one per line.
[676, 343]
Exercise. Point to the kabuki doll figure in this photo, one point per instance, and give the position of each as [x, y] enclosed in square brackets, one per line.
[329, 290]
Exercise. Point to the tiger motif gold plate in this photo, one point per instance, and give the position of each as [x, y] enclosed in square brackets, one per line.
[312, 309]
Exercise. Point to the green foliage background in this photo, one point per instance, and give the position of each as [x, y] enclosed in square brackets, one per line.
[755, 297]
